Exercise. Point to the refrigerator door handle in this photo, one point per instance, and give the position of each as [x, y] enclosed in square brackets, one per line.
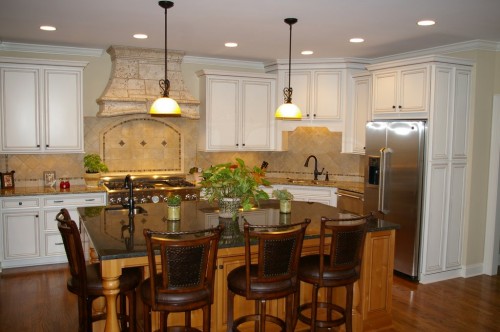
[384, 168]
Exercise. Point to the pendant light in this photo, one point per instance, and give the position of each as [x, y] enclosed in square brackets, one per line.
[289, 111]
[165, 105]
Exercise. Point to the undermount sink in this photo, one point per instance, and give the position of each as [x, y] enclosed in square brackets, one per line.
[309, 182]
[124, 209]
[300, 181]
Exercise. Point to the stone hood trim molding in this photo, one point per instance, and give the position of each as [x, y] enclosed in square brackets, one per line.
[133, 83]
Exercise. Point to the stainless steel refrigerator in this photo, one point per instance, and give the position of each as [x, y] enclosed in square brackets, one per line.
[394, 175]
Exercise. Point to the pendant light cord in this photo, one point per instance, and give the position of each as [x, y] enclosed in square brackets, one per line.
[167, 82]
[290, 57]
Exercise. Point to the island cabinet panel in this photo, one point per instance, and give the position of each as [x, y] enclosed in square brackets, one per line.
[376, 280]
[41, 107]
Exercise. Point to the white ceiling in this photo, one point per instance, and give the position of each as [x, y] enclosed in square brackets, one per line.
[201, 27]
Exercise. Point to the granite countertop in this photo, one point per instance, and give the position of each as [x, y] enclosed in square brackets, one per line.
[31, 191]
[115, 234]
[357, 187]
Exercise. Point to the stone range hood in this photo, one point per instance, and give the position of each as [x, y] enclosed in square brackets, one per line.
[133, 83]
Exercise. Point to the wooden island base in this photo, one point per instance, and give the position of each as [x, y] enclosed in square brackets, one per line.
[372, 293]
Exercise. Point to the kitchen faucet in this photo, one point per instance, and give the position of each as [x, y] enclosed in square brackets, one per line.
[128, 184]
[316, 172]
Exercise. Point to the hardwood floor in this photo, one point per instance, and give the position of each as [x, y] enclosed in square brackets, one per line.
[36, 299]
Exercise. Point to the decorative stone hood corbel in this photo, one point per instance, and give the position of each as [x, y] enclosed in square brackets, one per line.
[133, 84]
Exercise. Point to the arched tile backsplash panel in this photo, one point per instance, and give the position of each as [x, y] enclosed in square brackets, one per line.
[142, 145]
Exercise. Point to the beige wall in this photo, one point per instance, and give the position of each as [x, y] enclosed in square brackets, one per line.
[486, 84]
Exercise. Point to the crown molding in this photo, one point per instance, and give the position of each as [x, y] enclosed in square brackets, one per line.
[472, 45]
[50, 49]
[224, 62]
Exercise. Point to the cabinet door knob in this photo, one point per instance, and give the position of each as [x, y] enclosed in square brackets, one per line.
[46, 145]
[243, 144]
[399, 106]
[20, 203]
[393, 106]
[237, 144]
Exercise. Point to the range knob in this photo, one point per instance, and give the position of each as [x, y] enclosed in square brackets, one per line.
[155, 199]
[144, 200]
[112, 200]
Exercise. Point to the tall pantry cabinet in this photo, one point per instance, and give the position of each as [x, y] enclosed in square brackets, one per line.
[41, 109]
[436, 88]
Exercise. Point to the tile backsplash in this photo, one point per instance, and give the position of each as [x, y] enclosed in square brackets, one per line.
[140, 143]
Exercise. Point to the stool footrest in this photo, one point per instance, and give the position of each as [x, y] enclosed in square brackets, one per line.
[330, 307]
[256, 318]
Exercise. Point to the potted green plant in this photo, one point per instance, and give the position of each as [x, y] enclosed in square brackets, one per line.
[174, 207]
[232, 185]
[93, 165]
[285, 197]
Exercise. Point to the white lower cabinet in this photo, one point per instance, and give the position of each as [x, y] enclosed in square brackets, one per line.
[325, 195]
[28, 230]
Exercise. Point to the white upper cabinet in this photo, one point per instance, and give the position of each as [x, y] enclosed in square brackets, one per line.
[237, 111]
[318, 93]
[401, 92]
[353, 139]
[41, 107]
[320, 89]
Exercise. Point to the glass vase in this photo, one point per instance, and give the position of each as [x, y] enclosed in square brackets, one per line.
[285, 206]
[228, 207]
[174, 212]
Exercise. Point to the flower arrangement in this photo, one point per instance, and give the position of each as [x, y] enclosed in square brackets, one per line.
[234, 180]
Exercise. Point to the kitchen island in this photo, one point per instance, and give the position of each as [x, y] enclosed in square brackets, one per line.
[118, 243]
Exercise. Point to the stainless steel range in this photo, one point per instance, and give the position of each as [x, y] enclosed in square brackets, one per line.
[149, 189]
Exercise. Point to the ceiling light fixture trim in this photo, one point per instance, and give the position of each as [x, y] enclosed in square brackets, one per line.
[289, 111]
[165, 105]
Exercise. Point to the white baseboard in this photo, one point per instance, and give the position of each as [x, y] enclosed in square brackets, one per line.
[440, 276]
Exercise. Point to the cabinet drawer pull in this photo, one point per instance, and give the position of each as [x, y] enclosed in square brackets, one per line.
[350, 196]
[20, 203]
[59, 243]
[90, 200]
[61, 201]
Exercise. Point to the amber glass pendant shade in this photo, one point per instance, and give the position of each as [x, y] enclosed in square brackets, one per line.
[288, 111]
[165, 106]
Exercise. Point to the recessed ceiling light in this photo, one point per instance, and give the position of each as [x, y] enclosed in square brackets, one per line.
[231, 44]
[140, 36]
[47, 28]
[307, 52]
[426, 23]
[356, 40]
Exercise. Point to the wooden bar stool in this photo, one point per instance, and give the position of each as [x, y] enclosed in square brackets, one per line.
[338, 264]
[273, 276]
[86, 281]
[186, 279]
